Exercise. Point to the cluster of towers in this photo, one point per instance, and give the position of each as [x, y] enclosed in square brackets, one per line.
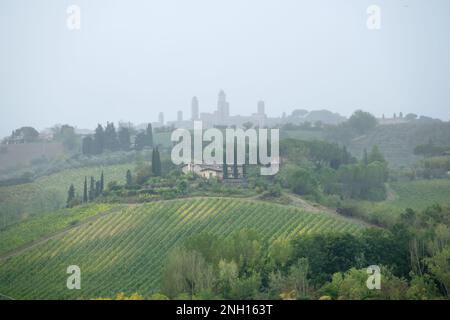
[194, 109]
[223, 107]
[221, 116]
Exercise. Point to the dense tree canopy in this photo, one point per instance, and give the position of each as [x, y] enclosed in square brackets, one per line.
[362, 122]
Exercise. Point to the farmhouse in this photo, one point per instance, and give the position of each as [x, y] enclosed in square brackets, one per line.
[208, 171]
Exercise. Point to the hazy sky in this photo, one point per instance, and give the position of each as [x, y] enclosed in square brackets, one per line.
[134, 58]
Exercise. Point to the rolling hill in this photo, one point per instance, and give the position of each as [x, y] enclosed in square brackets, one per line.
[417, 195]
[397, 142]
[123, 248]
[50, 192]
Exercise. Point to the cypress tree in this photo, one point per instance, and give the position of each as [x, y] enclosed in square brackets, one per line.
[365, 157]
[70, 196]
[156, 163]
[99, 140]
[153, 159]
[139, 141]
[225, 166]
[345, 155]
[158, 158]
[97, 189]
[235, 166]
[111, 141]
[102, 182]
[124, 138]
[92, 189]
[85, 192]
[129, 178]
[87, 146]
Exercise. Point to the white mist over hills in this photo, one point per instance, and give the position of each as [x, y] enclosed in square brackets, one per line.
[134, 59]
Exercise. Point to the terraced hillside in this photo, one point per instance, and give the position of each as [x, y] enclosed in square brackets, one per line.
[397, 142]
[124, 248]
[50, 192]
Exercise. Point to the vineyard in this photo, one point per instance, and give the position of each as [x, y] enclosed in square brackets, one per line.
[50, 192]
[125, 249]
[44, 225]
[417, 195]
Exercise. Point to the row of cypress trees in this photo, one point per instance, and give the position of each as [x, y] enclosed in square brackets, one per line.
[108, 139]
[95, 188]
[89, 194]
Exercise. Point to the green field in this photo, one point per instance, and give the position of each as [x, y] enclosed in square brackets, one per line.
[416, 195]
[37, 227]
[50, 192]
[124, 248]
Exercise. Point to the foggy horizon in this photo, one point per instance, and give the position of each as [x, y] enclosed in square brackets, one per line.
[299, 150]
[131, 60]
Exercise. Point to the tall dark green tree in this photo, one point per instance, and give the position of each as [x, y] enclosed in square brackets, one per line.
[99, 140]
[362, 122]
[110, 141]
[70, 196]
[376, 155]
[97, 189]
[87, 146]
[139, 141]
[225, 165]
[92, 189]
[85, 191]
[129, 178]
[124, 138]
[65, 134]
[365, 157]
[153, 157]
[235, 164]
[156, 163]
[102, 182]
[345, 156]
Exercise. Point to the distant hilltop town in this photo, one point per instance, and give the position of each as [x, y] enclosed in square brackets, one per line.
[222, 116]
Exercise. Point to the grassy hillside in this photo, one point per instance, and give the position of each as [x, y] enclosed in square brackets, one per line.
[125, 248]
[50, 192]
[421, 193]
[417, 195]
[38, 227]
[397, 142]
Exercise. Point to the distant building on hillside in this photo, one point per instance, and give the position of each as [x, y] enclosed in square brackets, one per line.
[46, 136]
[15, 139]
[261, 107]
[194, 109]
[394, 120]
[208, 171]
[221, 116]
[259, 118]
